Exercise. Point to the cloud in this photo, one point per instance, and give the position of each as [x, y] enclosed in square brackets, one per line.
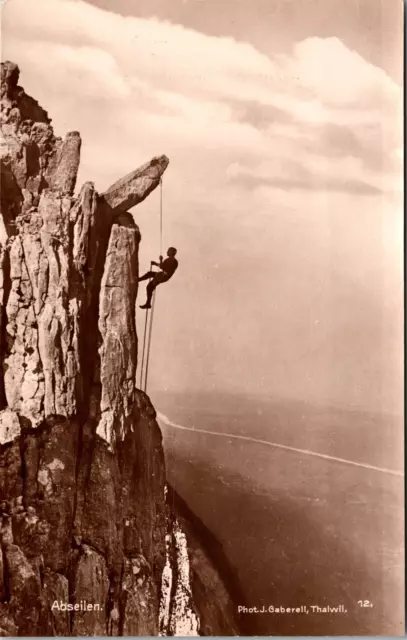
[321, 72]
[201, 92]
[340, 77]
[351, 186]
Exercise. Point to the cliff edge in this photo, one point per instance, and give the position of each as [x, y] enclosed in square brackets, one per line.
[89, 543]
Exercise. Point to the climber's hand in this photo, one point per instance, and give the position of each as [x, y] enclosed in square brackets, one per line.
[161, 258]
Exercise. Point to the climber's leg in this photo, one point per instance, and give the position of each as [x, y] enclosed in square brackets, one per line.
[150, 290]
[158, 279]
[147, 276]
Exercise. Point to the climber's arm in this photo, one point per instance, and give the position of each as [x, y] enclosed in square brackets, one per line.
[158, 264]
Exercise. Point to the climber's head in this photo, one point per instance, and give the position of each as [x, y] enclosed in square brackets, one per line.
[171, 252]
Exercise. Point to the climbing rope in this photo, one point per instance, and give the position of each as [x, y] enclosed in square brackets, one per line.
[144, 348]
[149, 341]
[148, 325]
[161, 217]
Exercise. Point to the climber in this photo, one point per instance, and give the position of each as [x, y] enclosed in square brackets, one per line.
[168, 268]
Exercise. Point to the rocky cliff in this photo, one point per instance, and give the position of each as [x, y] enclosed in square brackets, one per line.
[89, 543]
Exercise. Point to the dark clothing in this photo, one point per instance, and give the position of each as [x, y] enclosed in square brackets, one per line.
[168, 266]
[157, 277]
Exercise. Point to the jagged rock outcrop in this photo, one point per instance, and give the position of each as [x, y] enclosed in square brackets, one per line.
[89, 545]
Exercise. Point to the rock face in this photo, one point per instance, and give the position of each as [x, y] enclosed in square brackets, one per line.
[88, 544]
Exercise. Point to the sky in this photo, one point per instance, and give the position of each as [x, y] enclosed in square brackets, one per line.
[283, 124]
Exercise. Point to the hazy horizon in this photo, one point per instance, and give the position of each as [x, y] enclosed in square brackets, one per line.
[283, 125]
[269, 398]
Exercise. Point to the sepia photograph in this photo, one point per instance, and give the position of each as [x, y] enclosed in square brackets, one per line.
[201, 318]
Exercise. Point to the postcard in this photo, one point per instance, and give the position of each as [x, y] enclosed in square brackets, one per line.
[201, 318]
